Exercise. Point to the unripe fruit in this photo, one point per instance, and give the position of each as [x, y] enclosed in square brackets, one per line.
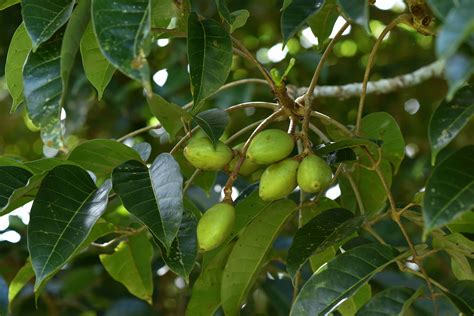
[247, 167]
[314, 174]
[202, 154]
[278, 180]
[256, 175]
[215, 226]
[270, 146]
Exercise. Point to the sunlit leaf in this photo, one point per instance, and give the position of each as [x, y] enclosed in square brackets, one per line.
[170, 115]
[7, 3]
[353, 303]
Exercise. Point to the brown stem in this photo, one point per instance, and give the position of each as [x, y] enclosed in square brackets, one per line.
[356, 192]
[138, 132]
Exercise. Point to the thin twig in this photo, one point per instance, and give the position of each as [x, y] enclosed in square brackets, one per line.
[356, 192]
[138, 132]
[243, 131]
[331, 121]
[319, 132]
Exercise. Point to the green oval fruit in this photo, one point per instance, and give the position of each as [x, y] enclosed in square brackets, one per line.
[314, 174]
[278, 180]
[247, 167]
[270, 146]
[201, 153]
[256, 175]
[215, 226]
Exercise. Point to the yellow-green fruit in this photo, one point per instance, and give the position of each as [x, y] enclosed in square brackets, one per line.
[247, 167]
[270, 146]
[202, 154]
[215, 226]
[278, 180]
[256, 175]
[314, 174]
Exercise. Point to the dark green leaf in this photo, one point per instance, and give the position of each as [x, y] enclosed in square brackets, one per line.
[12, 179]
[223, 11]
[325, 230]
[295, 15]
[441, 7]
[130, 265]
[349, 143]
[449, 119]
[98, 70]
[341, 278]
[143, 149]
[357, 11]
[123, 30]
[459, 68]
[213, 122]
[65, 209]
[20, 46]
[7, 3]
[461, 294]
[44, 17]
[170, 115]
[322, 22]
[442, 203]
[249, 252]
[209, 56]
[392, 301]
[101, 156]
[153, 195]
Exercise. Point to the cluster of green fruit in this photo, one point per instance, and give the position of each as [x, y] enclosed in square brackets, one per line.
[270, 147]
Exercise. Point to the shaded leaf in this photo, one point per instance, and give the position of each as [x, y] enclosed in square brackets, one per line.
[459, 249]
[7, 3]
[353, 303]
[169, 114]
[322, 22]
[153, 195]
[12, 179]
[357, 11]
[441, 7]
[459, 68]
[442, 203]
[392, 301]
[224, 11]
[463, 224]
[162, 11]
[461, 294]
[143, 149]
[209, 56]
[213, 122]
[130, 264]
[350, 143]
[295, 15]
[65, 209]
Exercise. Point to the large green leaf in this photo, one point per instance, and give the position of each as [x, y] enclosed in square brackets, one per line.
[65, 209]
[322, 22]
[449, 118]
[459, 68]
[7, 3]
[12, 179]
[450, 189]
[213, 122]
[325, 230]
[341, 278]
[44, 17]
[209, 56]
[123, 32]
[357, 11]
[295, 15]
[249, 253]
[98, 70]
[461, 294]
[130, 264]
[170, 115]
[392, 301]
[154, 195]
[18, 50]
[101, 156]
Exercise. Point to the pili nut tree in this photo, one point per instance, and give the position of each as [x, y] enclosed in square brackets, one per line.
[133, 207]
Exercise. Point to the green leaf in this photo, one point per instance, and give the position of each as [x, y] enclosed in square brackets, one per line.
[22, 277]
[357, 11]
[458, 25]
[183, 250]
[162, 11]
[143, 149]
[98, 70]
[248, 254]
[461, 295]
[153, 195]
[130, 264]
[65, 209]
[43, 18]
[392, 301]
[295, 15]
[3, 297]
[383, 127]
[101, 156]
[170, 115]
[223, 11]
[449, 119]
[322, 22]
[239, 18]
[463, 224]
[442, 203]
[459, 68]
[209, 56]
[123, 32]
[7, 3]
[353, 303]
[350, 143]
[206, 294]
[213, 122]
[441, 7]
[12, 179]
[18, 50]
[325, 230]
[341, 278]
[459, 249]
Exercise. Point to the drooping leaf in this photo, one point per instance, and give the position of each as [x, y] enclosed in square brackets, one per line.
[249, 253]
[18, 50]
[213, 122]
[461, 295]
[442, 203]
[153, 195]
[322, 22]
[459, 68]
[325, 230]
[353, 303]
[341, 278]
[98, 70]
[130, 264]
[7, 3]
[169, 114]
[22, 277]
[357, 11]
[65, 209]
[12, 179]
[209, 57]
[392, 301]
[101, 156]
[295, 15]
[143, 149]
[449, 119]
[43, 18]
[123, 30]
